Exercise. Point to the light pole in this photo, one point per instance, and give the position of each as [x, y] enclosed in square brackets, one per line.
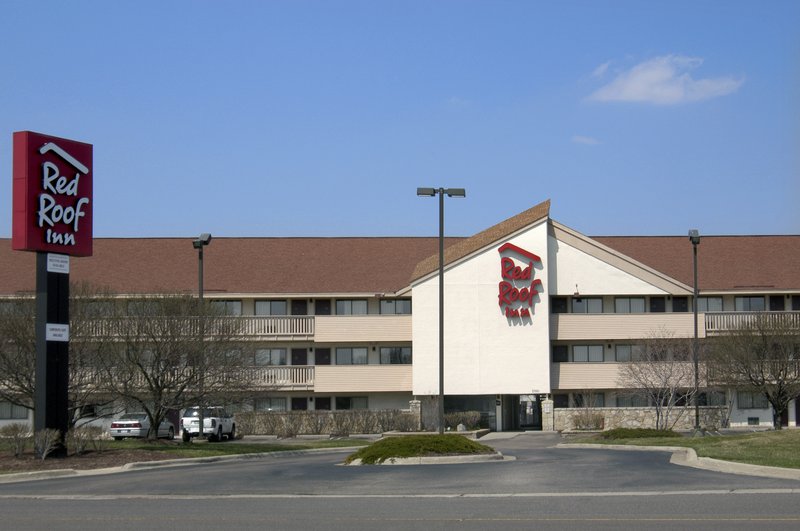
[198, 244]
[694, 237]
[450, 192]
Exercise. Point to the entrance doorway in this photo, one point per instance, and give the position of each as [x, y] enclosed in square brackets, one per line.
[520, 412]
[530, 412]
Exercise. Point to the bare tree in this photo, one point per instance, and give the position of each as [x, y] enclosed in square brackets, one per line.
[662, 373]
[761, 354]
[172, 352]
[18, 352]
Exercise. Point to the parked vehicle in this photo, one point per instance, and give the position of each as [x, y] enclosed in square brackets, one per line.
[137, 425]
[217, 423]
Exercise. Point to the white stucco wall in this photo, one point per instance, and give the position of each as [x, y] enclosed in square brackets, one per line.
[485, 351]
[591, 275]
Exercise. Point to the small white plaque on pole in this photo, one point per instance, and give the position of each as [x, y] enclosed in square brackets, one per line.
[58, 263]
[57, 332]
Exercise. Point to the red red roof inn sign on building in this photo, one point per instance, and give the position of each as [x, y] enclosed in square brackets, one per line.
[52, 195]
[518, 289]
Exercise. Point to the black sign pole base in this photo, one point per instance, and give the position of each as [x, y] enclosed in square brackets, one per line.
[52, 357]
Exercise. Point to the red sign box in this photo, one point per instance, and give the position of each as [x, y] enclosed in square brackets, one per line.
[52, 195]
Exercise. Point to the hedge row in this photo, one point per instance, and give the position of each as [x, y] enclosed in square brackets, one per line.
[334, 423]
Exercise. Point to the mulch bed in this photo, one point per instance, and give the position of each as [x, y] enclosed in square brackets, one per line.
[28, 462]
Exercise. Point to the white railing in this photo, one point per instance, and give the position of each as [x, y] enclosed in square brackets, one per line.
[254, 327]
[720, 322]
[281, 377]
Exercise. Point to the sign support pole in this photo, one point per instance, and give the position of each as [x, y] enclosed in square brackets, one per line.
[52, 350]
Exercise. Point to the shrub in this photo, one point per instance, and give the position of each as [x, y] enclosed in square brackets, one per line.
[45, 441]
[19, 434]
[586, 419]
[470, 419]
[637, 433]
[81, 437]
[418, 446]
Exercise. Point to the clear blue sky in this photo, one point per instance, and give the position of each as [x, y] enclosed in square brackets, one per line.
[320, 118]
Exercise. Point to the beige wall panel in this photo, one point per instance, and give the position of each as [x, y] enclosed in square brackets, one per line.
[353, 379]
[607, 326]
[360, 328]
[580, 376]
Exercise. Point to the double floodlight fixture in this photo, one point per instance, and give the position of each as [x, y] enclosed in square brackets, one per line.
[451, 192]
[204, 239]
[694, 236]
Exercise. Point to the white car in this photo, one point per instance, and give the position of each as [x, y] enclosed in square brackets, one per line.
[137, 425]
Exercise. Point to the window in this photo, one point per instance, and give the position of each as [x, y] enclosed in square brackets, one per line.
[270, 356]
[144, 307]
[9, 411]
[558, 305]
[560, 353]
[625, 353]
[680, 304]
[351, 307]
[587, 353]
[587, 305]
[751, 400]
[270, 307]
[351, 402]
[269, 404]
[99, 308]
[658, 305]
[299, 403]
[322, 356]
[228, 307]
[796, 303]
[776, 303]
[351, 356]
[711, 398]
[749, 304]
[709, 304]
[560, 401]
[631, 401]
[323, 403]
[395, 306]
[589, 399]
[629, 305]
[396, 355]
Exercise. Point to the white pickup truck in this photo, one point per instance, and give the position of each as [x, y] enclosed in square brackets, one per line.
[216, 424]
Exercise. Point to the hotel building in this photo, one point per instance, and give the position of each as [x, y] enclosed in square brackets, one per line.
[538, 318]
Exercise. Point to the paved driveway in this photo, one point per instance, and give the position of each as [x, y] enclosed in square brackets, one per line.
[548, 486]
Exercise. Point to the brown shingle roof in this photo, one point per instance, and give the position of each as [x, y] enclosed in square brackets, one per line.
[234, 265]
[744, 263]
[467, 246]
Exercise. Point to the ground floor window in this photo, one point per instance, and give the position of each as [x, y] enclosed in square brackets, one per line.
[270, 404]
[299, 403]
[351, 402]
[631, 401]
[751, 400]
[322, 403]
[9, 411]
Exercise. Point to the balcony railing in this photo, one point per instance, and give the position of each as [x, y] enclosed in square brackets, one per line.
[721, 322]
[281, 378]
[251, 327]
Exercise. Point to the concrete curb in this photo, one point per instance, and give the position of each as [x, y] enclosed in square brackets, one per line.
[688, 457]
[144, 465]
[439, 460]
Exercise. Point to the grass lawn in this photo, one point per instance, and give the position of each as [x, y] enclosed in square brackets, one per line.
[418, 446]
[769, 448]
